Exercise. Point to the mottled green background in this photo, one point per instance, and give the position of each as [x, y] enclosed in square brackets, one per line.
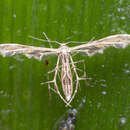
[25, 104]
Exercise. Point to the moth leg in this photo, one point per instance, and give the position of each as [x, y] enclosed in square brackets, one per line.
[54, 71]
[79, 69]
[76, 63]
[52, 89]
[79, 61]
[55, 84]
[59, 76]
[48, 82]
[84, 77]
[77, 79]
[84, 70]
[49, 89]
[76, 67]
[51, 71]
[56, 90]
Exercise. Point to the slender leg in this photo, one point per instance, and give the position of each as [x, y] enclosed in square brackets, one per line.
[56, 90]
[51, 71]
[77, 79]
[76, 63]
[49, 89]
[56, 87]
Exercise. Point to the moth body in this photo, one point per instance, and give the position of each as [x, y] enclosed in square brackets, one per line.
[66, 76]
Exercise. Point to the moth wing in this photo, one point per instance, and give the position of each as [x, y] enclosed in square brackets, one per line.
[90, 48]
[29, 51]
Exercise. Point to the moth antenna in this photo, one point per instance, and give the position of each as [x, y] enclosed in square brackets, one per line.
[50, 40]
[35, 38]
[79, 41]
[47, 39]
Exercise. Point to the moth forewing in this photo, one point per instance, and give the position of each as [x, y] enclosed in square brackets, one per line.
[29, 51]
[92, 47]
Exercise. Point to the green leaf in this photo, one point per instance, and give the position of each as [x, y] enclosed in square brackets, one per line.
[25, 104]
